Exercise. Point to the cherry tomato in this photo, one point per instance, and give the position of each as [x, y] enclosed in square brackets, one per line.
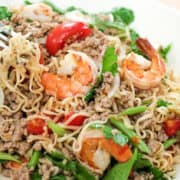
[77, 121]
[172, 126]
[58, 36]
[36, 126]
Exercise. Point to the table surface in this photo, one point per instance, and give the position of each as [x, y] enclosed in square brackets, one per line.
[173, 3]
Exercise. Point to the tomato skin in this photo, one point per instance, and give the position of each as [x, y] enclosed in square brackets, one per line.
[36, 126]
[41, 60]
[77, 121]
[171, 127]
[58, 36]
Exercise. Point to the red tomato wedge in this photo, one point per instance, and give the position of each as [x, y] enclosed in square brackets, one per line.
[120, 153]
[172, 126]
[58, 36]
[36, 126]
[76, 121]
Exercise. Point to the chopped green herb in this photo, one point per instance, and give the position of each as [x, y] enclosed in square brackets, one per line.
[169, 143]
[134, 110]
[130, 133]
[53, 6]
[8, 157]
[5, 13]
[57, 129]
[121, 171]
[134, 36]
[123, 15]
[107, 132]
[142, 164]
[92, 92]
[27, 2]
[75, 168]
[34, 159]
[163, 51]
[147, 102]
[109, 63]
[118, 137]
[162, 103]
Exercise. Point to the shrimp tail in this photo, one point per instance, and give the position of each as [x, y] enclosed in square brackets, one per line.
[145, 46]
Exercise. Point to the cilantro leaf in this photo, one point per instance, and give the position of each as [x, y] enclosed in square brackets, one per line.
[142, 164]
[107, 132]
[123, 15]
[163, 51]
[134, 36]
[109, 63]
[5, 13]
[92, 92]
[162, 103]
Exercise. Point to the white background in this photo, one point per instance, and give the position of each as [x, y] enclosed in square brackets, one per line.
[159, 23]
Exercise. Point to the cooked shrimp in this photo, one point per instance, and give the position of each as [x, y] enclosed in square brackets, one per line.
[140, 71]
[76, 73]
[96, 150]
[37, 12]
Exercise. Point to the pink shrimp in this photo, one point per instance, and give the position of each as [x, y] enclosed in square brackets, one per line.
[77, 73]
[143, 76]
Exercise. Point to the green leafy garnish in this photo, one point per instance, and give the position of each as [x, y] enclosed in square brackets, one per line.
[121, 171]
[109, 63]
[75, 168]
[130, 134]
[134, 36]
[133, 110]
[169, 143]
[162, 103]
[92, 92]
[117, 137]
[142, 164]
[163, 51]
[123, 15]
[5, 13]
[27, 2]
[53, 7]
[57, 129]
[5, 156]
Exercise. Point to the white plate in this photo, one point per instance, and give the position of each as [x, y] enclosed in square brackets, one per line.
[158, 22]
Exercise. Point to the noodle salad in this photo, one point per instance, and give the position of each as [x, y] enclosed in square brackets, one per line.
[83, 96]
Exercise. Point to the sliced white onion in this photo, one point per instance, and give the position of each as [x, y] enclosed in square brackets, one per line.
[78, 16]
[1, 97]
[37, 12]
[116, 85]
